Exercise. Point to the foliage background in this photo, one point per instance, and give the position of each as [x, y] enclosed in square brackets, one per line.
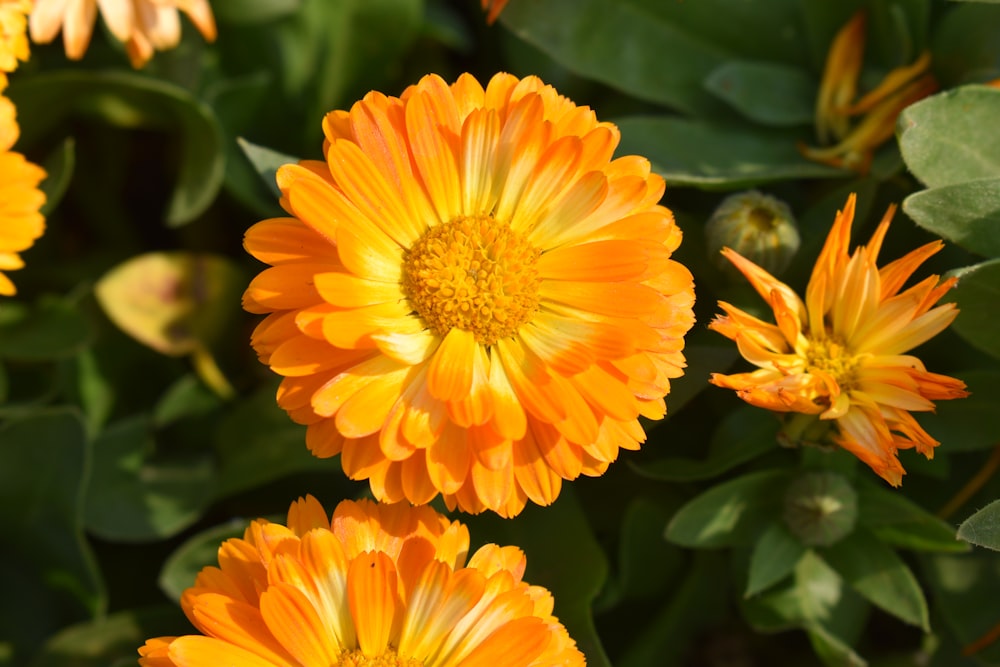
[121, 470]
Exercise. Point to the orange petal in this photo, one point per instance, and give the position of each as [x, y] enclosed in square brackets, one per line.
[373, 599]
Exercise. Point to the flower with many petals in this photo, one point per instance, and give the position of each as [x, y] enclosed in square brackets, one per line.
[142, 25]
[13, 36]
[840, 355]
[20, 199]
[473, 298]
[379, 585]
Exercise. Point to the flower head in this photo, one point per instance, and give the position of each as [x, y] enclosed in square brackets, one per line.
[840, 354]
[20, 199]
[13, 36]
[472, 298]
[142, 25]
[379, 585]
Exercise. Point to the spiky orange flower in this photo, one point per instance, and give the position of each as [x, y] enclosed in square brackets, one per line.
[13, 36]
[473, 298]
[378, 586]
[840, 355]
[142, 25]
[20, 199]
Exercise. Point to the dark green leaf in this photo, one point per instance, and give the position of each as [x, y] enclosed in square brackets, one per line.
[875, 571]
[59, 169]
[895, 520]
[949, 138]
[768, 93]
[52, 99]
[52, 328]
[266, 162]
[646, 561]
[968, 424]
[692, 152]
[134, 497]
[965, 44]
[965, 213]
[977, 294]
[983, 527]
[199, 551]
[831, 649]
[701, 361]
[731, 513]
[97, 396]
[253, 11]
[965, 589]
[188, 397]
[774, 557]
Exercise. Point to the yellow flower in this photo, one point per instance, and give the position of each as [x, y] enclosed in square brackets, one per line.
[13, 36]
[20, 199]
[378, 586]
[143, 25]
[839, 356]
[472, 297]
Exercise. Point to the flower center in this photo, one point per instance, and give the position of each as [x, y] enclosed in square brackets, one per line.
[833, 357]
[473, 273]
[356, 658]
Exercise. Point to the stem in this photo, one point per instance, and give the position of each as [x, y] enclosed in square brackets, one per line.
[210, 374]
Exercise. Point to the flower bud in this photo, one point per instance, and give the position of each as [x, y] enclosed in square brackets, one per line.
[820, 508]
[757, 226]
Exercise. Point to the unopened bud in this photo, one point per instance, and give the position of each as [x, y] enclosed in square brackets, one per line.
[757, 226]
[821, 508]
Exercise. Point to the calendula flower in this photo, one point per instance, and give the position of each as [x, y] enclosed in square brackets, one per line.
[142, 25]
[493, 9]
[840, 355]
[378, 585]
[20, 199]
[853, 144]
[13, 36]
[472, 298]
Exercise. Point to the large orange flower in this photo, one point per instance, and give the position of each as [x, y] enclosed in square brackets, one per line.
[840, 355]
[473, 298]
[20, 199]
[379, 585]
[13, 36]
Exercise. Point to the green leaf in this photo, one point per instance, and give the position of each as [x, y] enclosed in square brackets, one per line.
[976, 295]
[965, 589]
[97, 395]
[647, 562]
[831, 649]
[52, 328]
[188, 397]
[774, 557]
[696, 153]
[52, 99]
[752, 88]
[266, 162]
[965, 45]
[964, 213]
[134, 497]
[731, 513]
[201, 550]
[59, 169]
[983, 527]
[968, 424]
[701, 361]
[949, 138]
[875, 571]
[896, 520]
[743, 435]
[253, 11]
[46, 568]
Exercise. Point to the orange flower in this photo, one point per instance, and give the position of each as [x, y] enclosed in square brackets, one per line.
[13, 37]
[20, 199]
[473, 298]
[840, 355]
[493, 7]
[378, 585]
[143, 25]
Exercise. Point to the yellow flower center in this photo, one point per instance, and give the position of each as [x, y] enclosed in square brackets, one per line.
[833, 357]
[475, 274]
[356, 658]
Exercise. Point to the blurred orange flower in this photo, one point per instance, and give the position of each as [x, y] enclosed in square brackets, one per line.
[143, 25]
[472, 298]
[493, 9]
[839, 356]
[13, 36]
[20, 199]
[378, 585]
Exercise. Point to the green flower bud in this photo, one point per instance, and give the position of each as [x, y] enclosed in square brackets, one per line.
[758, 226]
[821, 508]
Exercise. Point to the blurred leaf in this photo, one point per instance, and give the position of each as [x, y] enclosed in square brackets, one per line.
[976, 296]
[875, 571]
[731, 513]
[965, 213]
[97, 395]
[898, 521]
[176, 303]
[774, 557]
[692, 152]
[201, 550]
[51, 328]
[831, 649]
[968, 424]
[46, 567]
[105, 641]
[646, 561]
[983, 527]
[701, 361]
[135, 498]
[253, 11]
[125, 99]
[949, 138]
[187, 397]
[768, 93]
[965, 590]
[743, 435]
[266, 162]
[965, 44]
[59, 169]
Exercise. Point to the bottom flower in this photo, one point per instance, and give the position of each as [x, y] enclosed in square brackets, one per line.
[378, 586]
